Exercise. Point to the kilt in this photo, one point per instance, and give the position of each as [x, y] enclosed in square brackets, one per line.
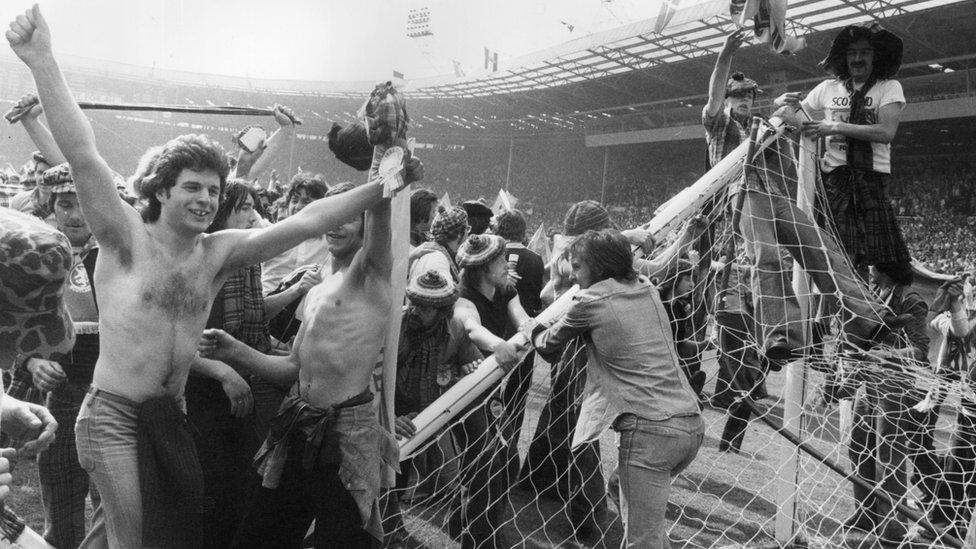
[864, 218]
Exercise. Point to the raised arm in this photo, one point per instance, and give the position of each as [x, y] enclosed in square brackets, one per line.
[375, 260]
[39, 134]
[720, 74]
[281, 138]
[247, 247]
[110, 218]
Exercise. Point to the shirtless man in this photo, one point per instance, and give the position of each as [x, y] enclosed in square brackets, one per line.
[326, 455]
[155, 280]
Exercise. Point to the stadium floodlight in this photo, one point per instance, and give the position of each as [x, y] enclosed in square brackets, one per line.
[418, 23]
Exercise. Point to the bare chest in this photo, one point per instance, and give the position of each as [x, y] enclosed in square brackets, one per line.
[176, 294]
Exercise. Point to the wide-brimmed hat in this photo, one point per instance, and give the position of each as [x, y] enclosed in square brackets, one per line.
[432, 289]
[738, 84]
[477, 208]
[584, 216]
[887, 46]
[35, 260]
[479, 249]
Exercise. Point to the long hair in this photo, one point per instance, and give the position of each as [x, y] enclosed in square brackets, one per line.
[607, 253]
[235, 194]
[162, 166]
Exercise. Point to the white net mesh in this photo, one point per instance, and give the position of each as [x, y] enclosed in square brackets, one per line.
[778, 323]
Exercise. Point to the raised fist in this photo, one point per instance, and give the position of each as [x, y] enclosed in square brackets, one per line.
[30, 37]
[285, 116]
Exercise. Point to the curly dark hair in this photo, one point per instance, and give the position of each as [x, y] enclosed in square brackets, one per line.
[510, 225]
[162, 166]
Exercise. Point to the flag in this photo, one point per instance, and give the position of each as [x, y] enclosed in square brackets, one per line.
[491, 60]
[539, 244]
[769, 20]
[503, 202]
[668, 7]
[458, 69]
[397, 74]
[445, 201]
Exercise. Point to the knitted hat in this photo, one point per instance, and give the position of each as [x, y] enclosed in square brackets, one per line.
[888, 49]
[34, 262]
[738, 84]
[479, 249]
[584, 216]
[431, 289]
[59, 179]
[447, 222]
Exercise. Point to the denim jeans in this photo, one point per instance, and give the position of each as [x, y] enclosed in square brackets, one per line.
[652, 453]
[105, 434]
[771, 222]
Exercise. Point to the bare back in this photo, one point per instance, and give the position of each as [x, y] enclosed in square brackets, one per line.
[345, 327]
[152, 308]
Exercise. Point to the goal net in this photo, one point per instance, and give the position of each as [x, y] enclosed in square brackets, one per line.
[815, 414]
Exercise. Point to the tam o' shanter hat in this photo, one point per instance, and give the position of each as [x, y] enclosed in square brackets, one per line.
[59, 180]
[35, 260]
[447, 222]
[738, 84]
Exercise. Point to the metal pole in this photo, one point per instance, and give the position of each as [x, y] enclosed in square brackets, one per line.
[603, 186]
[511, 151]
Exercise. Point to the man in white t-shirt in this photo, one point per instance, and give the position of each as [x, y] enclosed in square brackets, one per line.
[861, 108]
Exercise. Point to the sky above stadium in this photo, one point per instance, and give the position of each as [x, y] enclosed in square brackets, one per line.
[327, 40]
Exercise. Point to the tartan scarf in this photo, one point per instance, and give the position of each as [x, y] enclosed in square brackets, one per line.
[417, 370]
[860, 156]
[240, 305]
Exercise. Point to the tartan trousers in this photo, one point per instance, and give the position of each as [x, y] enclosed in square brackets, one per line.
[64, 483]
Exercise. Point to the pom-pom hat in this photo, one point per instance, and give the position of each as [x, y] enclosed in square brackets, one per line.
[479, 249]
[432, 289]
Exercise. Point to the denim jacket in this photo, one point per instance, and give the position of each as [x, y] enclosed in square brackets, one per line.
[633, 365]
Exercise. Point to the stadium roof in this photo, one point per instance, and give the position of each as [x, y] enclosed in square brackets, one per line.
[632, 70]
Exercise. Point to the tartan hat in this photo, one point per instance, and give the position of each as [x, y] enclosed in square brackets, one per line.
[59, 179]
[34, 262]
[584, 216]
[477, 208]
[479, 249]
[432, 289]
[447, 222]
[738, 84]
[351, 146]
[888, 49]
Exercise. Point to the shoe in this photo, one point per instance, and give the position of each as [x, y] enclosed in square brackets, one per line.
[698, 382]
[724, 446]
[780, 355]
[860, 521]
